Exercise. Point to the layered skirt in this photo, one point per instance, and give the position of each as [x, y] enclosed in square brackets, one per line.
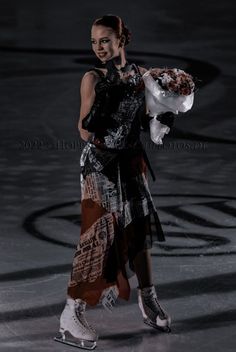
[116, 210]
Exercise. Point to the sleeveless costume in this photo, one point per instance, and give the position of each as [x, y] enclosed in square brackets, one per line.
[116, 204]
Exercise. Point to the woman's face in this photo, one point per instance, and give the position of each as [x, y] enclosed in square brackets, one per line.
[105, 44]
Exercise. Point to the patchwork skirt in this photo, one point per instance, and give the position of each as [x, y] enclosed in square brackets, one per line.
[116, 209]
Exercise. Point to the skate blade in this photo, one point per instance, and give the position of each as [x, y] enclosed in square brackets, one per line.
[153, 325]
[83, 344]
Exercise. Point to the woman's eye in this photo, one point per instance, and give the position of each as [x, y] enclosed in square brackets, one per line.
[102, 41]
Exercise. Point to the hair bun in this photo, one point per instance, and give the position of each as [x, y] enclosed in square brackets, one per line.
[127, 34]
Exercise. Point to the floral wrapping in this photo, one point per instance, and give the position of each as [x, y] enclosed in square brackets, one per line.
[162, 97]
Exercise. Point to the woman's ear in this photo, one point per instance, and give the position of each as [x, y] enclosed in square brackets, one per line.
[122, 41]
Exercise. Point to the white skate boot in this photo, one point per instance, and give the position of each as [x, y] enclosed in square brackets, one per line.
[153, 314]
[74, 328]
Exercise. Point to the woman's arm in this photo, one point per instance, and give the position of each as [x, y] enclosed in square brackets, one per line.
[154, 71]
[142, 70]
[87, 94]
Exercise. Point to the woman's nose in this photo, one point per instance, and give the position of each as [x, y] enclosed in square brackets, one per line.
[100, 46]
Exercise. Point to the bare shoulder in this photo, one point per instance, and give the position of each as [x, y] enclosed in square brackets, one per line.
[90, 76]
[89, 80]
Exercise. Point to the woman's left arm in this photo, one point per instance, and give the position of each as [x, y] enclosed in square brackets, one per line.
[142, 70]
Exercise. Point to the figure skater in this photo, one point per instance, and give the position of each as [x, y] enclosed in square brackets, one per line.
[116, 204]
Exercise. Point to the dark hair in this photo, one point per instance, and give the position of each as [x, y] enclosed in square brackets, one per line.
[116, 23]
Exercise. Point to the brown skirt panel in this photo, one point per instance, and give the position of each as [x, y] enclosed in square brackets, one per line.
[109, 239]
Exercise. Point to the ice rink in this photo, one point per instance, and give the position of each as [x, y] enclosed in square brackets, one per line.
[44, 51]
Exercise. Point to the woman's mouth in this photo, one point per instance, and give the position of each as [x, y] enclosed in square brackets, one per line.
[101, 55]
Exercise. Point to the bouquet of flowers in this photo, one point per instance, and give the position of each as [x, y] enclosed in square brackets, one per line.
[166, 90]
[174, 80]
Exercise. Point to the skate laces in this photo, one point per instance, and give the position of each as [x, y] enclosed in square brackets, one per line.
[151, 300]
[79, 311]
[80, 306]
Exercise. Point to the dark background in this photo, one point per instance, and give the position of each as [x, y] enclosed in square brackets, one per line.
[44, 51]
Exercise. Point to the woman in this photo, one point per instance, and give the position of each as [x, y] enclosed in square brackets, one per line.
[116, 204]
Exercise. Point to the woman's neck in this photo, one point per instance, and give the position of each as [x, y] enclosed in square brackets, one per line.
[120, 61]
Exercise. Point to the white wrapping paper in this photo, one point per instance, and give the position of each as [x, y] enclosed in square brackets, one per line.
[159, 101]
[157, 130]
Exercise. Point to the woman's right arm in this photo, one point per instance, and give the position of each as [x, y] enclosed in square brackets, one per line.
[87, 96]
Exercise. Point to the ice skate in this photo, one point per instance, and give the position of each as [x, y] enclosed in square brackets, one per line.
[153, 314]
[74, 328]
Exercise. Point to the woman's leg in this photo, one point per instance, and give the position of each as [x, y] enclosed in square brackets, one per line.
[153, 314]
[143, 270]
